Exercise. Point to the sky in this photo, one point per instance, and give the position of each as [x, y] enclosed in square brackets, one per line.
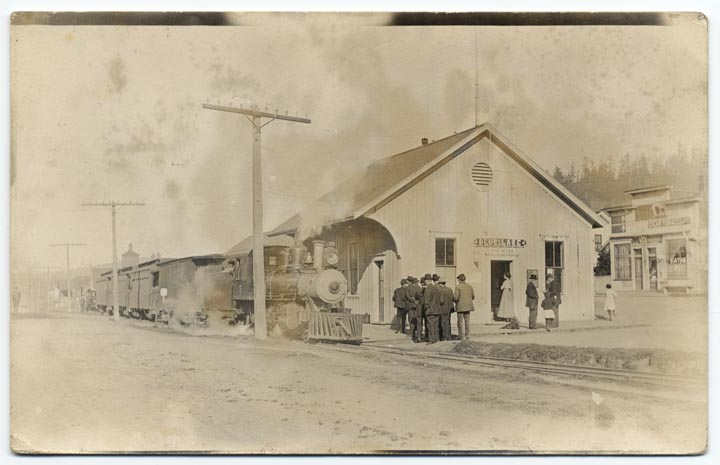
[101, 113]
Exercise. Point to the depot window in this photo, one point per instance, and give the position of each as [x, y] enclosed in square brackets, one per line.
[623, 262]
[554, 261]
[445, 251]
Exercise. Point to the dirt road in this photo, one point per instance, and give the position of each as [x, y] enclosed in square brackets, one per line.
[82, 383]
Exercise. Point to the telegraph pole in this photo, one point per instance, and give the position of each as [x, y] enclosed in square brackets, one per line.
[256, 119]
[114, 204]
[67, 246]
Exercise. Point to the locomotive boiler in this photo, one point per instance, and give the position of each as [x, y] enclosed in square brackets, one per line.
[304, 293]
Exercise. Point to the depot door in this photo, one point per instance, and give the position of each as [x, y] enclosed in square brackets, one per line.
[498, 268]
[638, 270]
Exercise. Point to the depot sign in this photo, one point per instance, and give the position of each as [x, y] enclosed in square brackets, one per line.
[494, 242]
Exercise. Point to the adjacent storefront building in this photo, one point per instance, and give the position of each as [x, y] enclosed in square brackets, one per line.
[658, 242]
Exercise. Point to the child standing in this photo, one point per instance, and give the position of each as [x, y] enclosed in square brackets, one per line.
[548, 313]
[610, 296]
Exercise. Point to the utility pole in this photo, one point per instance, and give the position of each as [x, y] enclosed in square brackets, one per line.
[114, 204]
[256, 117]
[67, 246]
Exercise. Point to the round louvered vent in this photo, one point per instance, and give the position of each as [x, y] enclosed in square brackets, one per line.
[481, 174]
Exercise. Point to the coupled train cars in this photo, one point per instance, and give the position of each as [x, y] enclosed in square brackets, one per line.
[304, 292]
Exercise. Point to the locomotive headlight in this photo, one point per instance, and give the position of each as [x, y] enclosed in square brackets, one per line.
[332, 258]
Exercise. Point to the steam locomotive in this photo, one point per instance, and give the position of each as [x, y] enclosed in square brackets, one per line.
[304, 293]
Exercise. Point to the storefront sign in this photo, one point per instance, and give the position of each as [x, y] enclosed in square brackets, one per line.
[647, 240]
[662, 222]
[499, 243]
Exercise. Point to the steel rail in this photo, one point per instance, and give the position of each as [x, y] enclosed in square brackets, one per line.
[545, 367]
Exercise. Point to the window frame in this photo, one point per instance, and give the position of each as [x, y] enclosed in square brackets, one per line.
[445, 240]
[552, 266]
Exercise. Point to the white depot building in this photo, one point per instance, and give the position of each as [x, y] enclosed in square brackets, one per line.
[470, 203]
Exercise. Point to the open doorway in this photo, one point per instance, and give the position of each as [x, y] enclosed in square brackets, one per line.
[498, 268]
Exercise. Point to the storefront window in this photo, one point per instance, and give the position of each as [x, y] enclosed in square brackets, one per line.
[676, 259]
[623, 271]
[554, 259]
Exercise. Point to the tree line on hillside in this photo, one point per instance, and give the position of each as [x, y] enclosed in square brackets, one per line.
[603, 184]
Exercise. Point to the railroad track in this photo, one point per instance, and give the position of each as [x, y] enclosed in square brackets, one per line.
[541, 367]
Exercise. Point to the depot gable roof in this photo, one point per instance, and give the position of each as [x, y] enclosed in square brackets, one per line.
[385, 179]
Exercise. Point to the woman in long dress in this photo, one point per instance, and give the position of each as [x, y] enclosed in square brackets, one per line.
[507, 309]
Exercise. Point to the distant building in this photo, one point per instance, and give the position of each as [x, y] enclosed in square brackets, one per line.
[658, 242]
[130, 258]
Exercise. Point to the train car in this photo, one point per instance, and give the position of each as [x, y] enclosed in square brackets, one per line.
[196, 290]
[304, 293]
[103, 294]
[144, 295]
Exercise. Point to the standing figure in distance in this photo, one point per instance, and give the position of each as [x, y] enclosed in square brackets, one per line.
[553, 291]
[447, 305]
[548, 312]
[464, 296]
[16, 299]
[531, 300]
[507, 308]
[610, 296]
[413, 307]
[432, 303]
[399, 302]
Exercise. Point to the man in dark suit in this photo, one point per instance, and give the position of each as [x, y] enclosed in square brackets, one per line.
[553, 292]
[399, 302]
[446, 308]
[413, 307]
[432, 305]
[531, 300]
[425, 282]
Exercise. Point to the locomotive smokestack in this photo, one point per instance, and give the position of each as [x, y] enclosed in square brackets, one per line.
[318, 248]
[297, 253]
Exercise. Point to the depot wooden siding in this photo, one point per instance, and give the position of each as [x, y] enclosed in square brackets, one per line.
[514, 205]
[374, 244]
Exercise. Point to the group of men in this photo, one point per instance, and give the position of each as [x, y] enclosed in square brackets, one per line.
[429, 304]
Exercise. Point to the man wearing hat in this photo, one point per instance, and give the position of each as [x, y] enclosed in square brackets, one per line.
[446, 308]
[464, 296]
[413, 307]
[432, 312]
[531, 300]
[399, 302]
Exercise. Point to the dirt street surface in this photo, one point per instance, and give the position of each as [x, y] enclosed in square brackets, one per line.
[85, 384]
